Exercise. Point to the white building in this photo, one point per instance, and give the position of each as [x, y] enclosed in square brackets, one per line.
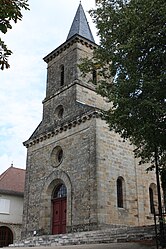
[11, 204]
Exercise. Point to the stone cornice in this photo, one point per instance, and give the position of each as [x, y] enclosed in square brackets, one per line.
[62, 128]
[67, 44]
[75, 82]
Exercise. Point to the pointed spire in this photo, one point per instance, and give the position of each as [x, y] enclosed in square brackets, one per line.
[80, 25]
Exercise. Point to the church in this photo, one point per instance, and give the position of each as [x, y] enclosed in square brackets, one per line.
[80, 176]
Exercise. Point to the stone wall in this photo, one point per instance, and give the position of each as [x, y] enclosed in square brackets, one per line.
[115, 159]
[77, 171]
[15, 228]
[69, 55]
[93, 159]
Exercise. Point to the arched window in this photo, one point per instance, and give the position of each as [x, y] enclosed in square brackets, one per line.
[62, 75]
[60, 191]
[94, 76]
[120, 199]
[151, 198]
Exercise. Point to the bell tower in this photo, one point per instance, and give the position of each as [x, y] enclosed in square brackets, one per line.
[67, 92]
[63, 61]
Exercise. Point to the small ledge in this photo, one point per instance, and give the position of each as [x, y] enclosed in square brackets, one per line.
[67, 44]
[65, 127]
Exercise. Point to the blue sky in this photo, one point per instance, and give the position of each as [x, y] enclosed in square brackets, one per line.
[22, 87]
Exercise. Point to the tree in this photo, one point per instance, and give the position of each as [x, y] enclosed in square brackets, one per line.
[132, 60]
[10, 10]
[132, 53]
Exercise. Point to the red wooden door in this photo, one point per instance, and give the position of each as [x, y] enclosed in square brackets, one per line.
[59, 216]
[6, 236]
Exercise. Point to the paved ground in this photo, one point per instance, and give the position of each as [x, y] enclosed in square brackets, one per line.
[142, 245]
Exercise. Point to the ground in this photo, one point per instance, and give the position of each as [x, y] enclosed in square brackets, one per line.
[132, 245]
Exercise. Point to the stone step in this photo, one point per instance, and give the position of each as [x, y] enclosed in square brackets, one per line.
[100, 236]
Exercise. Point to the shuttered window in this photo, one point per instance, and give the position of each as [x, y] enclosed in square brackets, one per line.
[4, 206]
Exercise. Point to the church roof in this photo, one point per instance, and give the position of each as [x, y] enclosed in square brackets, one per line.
[12, 180]
[80, 25]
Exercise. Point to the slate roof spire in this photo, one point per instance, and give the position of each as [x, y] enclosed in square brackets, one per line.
[80, 25]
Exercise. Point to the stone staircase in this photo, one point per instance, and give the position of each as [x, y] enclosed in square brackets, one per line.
[124, 234]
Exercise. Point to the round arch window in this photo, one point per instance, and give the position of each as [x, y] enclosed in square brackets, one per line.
[60, 191]
[56, 156]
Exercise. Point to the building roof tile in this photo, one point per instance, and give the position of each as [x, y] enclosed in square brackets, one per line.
[12, 180]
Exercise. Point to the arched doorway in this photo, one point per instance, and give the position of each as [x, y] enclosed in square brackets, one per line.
[59, 201]
[6, 236]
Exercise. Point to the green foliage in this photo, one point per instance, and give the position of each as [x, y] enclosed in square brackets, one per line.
[10, 10]
[132, 37]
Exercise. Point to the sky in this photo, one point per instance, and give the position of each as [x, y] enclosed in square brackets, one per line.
[22, 87]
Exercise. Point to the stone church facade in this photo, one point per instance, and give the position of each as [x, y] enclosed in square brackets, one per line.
[80, 176]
